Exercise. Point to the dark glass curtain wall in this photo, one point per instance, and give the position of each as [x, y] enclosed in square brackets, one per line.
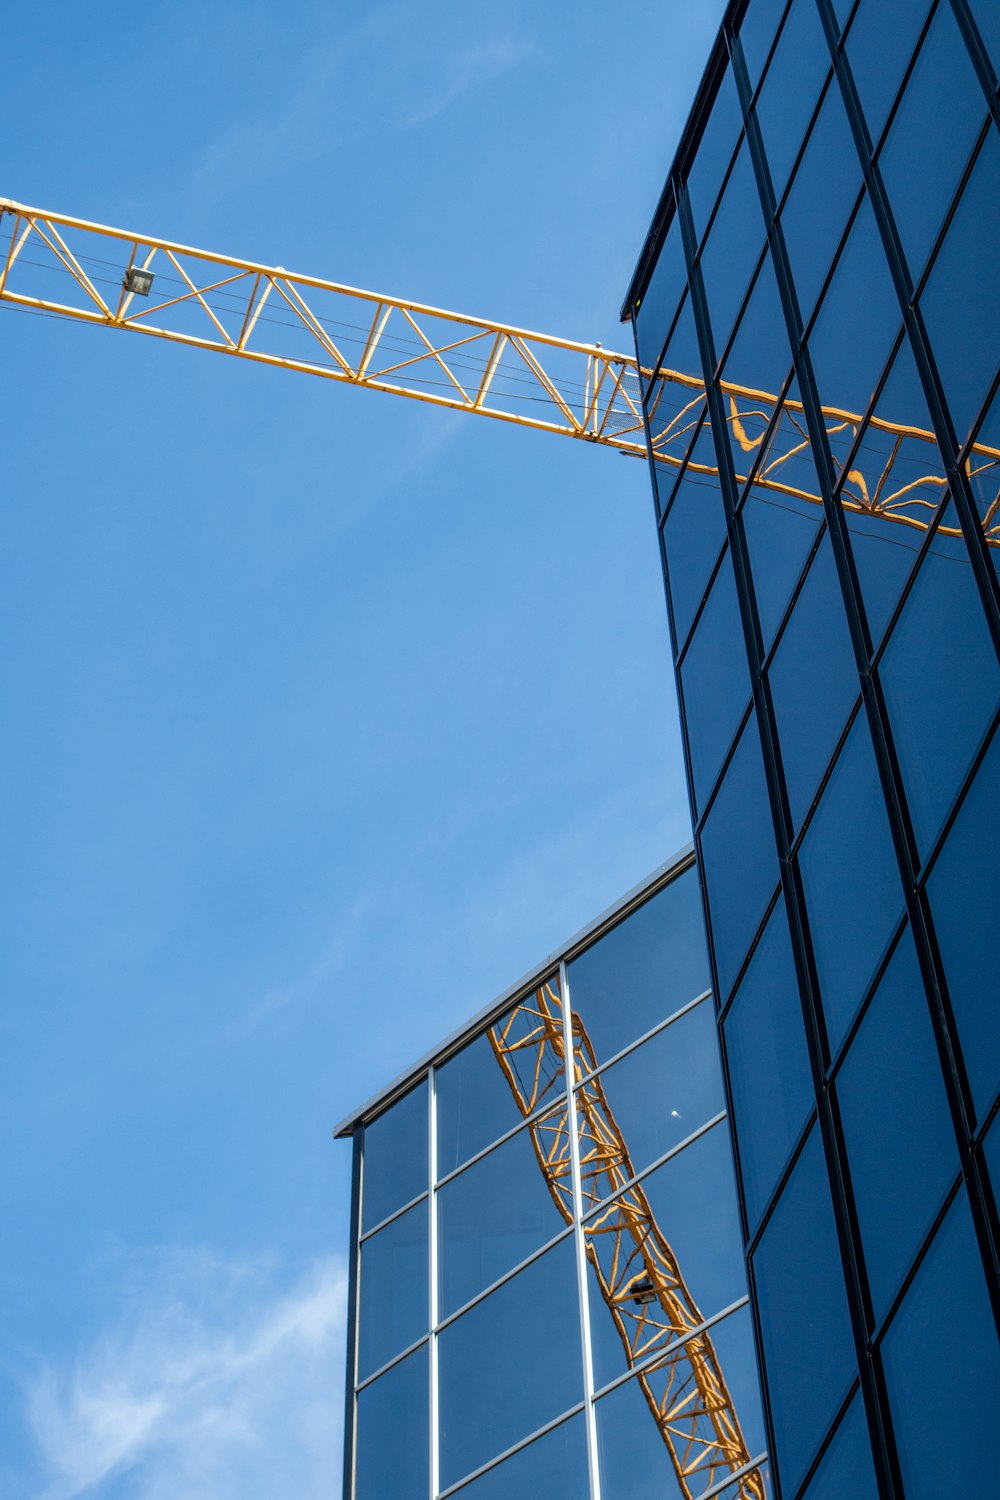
[825, 260]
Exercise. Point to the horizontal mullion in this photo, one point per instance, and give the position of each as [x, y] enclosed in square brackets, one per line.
[660, 1355]
[639, 1177]
[646, 1037]
[502, 1280]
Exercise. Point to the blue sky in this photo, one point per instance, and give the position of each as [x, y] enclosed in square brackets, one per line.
[327, 714]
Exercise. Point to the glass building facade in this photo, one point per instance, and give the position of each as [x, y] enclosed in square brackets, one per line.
[548, 1288]
[816, 313]
[697, 1218]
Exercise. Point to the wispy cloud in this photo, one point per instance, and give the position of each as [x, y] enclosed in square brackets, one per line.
[332, 95]
[219, 1384]
[464, 73]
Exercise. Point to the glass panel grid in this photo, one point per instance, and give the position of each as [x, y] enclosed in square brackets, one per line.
[518, 1393]
[880, 44]
[948, 1291]
[631, 1451]
[856, 331]
[791, 89]
[927, 148]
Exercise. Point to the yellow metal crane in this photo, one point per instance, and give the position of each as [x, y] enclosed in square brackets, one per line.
[640, 1280]
[112, 278]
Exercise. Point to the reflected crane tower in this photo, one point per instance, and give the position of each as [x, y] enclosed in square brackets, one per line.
[112, 278]
[637, 1272]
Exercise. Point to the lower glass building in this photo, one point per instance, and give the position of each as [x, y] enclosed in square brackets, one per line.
[816, 313]
[548, 1288]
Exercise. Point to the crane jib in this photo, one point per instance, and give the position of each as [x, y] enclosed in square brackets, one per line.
[91, 273]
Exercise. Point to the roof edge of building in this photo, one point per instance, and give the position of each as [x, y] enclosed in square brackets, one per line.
[690, 136]
[451, 1043]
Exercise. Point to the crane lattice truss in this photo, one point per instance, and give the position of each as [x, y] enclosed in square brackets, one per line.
[640, 1280]
[71, 268]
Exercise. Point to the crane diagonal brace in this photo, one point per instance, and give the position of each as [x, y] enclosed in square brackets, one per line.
[72, 268]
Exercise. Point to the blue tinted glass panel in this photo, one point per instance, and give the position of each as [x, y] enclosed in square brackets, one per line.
[857, 321]
[643, 970]
[394, 1304]
[790, 90]
[758, 361]
[715, 681]
[757, 31]
[714, 152]
[611, 1338]
[661, 298]
[689, 436]
[984, 477]
[942, 683]
[896, 477]
[814, 681]
[760, 355]
[664, 484]
[646, 1326]
[964, 890]
[673, 409]
[846, 1468]
[554, 1466]
[733, 248]
[851, 919]
[395, 1157]
[691, 1201]
[780, 530]
[963, 1395]
[880, 43]
[733, 1342]
[897, 1125]
[494, 1215]
[961, 301]
[823, 192]
[393, 1427]
[475, 1102]
[987, 18]
[628, 1315]
[683, 353]
[768, 1063]
[510, 1364]
[927, 147]
[739, 860]
[693, 534]
[991, 1153]
[885, 555]
[657, 1096]
[894, 472]
[803, 1312]
[640, 1456]
[703, 453]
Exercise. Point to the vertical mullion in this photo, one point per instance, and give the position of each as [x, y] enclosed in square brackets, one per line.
[948, 440]
[981, 59]
[351, 1399]
[848, 1234]
[432, 1290]
[935, 981]
[827, 1124]
[579, 1239]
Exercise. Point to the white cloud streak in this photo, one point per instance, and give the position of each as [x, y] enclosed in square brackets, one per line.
[219, 1385]
[332, 96]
